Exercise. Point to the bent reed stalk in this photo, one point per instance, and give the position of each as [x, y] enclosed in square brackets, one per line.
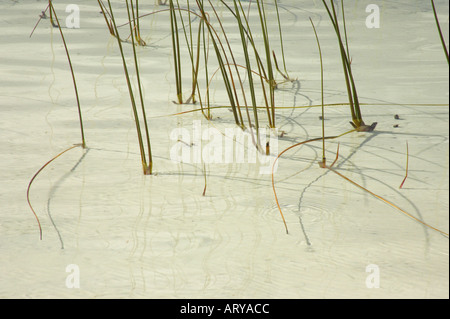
[53, 13]
[349, 180]
[279, 156]
[34, 177]
[83, 140]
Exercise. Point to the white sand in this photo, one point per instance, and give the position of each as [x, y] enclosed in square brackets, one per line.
[135, 236]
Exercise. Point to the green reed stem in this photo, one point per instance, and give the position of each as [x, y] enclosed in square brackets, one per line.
[349, 80]
[265, 34]
[262, 72]
[286, 74]
[176, 52]
[52, 9]
[108, 23]
[136, 30]
[229, 85]
[249, 74]
[190, 46]
[150, 161]
[205, 54]
[130, 90]
[138, 26]
[444, 46]
[322, 93]
[234, 64]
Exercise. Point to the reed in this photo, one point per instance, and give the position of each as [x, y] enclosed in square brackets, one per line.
[246, 37]
[195, 60]
[277, 159]
[249, 73]
[261, 69]
[176, 52]
[205, 41]
[265, 69]
[240, 81]
[224, 65]
[41, 16]
[149, 169]
[388, 202]
[36, 175]
[146, 165]
[364, 189]
[52, 10]
[285, 74]
[357, 120]
[226, 60]
[104, 11]
[441, 36]
[407, 166]
[270, 74]
[208, 34]
[55, 25]
[248, 64]
[136, 25]
[324, 160]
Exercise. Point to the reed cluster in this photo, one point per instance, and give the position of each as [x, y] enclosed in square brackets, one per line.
[247, 69]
